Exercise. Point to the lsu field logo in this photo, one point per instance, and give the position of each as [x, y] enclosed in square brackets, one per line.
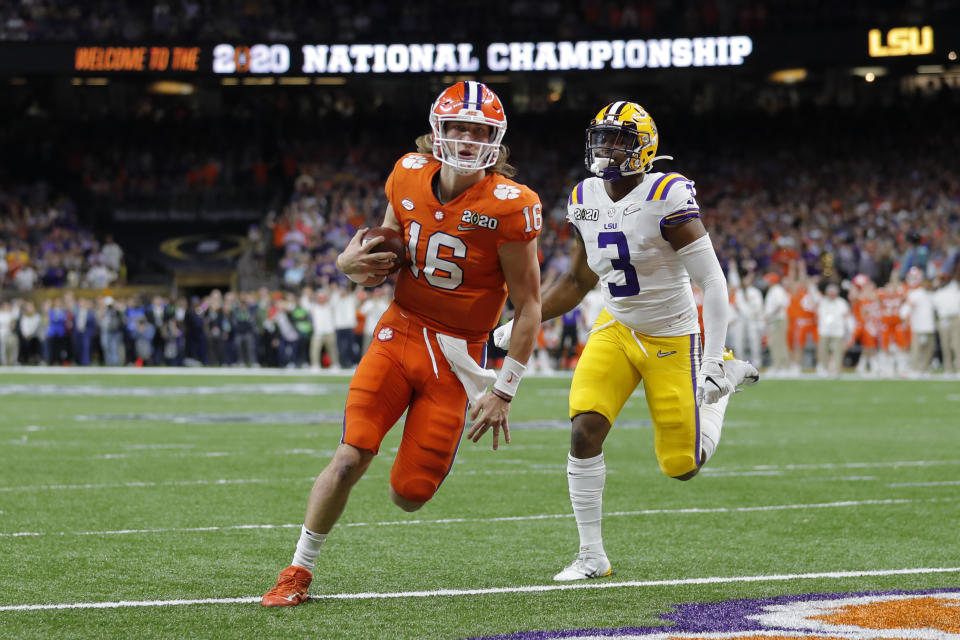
[891, 615]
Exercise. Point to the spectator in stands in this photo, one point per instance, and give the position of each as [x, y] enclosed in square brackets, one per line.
[112, 255]
[99, 276]
[25, 278]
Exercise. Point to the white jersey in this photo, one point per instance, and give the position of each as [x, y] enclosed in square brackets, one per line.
[645, 285]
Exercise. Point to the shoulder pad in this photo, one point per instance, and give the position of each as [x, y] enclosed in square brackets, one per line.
[662, 185]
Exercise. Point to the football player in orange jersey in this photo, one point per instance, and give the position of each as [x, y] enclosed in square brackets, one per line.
[471, 236]
[866, 313]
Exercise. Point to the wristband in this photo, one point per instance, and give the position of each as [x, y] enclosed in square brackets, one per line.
[501, 395]
[509, 378]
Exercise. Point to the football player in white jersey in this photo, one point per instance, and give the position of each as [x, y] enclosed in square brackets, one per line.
[640, 235]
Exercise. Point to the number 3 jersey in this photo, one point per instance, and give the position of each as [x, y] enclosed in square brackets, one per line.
[645, 285]
[454, 284]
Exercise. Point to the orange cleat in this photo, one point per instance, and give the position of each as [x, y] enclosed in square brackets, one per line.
[291, 589]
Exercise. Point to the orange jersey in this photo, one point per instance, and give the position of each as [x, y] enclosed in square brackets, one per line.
[803, 306]
[866, 312]
[455, 284]
[890, 302]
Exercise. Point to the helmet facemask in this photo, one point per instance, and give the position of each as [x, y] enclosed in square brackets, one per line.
[447, 150]
[605, 141]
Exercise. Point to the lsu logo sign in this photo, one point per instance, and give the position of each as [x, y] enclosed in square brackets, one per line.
[892, 615]
[902, 41]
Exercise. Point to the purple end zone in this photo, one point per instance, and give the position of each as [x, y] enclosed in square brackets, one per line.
[710, 617]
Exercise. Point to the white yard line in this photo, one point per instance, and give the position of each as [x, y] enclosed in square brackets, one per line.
[549, 516]
[944, 483]
[772, 469]
[836, 575]
[135, 485]
[718, 472]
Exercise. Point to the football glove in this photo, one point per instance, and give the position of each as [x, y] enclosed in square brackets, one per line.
[712, 384]
[501, 336]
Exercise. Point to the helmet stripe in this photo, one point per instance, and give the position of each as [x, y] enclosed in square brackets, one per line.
[616, 108]
[472, 94]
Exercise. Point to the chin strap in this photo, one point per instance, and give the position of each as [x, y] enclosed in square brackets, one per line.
[612, 174]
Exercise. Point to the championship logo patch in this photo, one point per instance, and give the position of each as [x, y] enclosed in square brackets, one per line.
[894, 615]
[414, 162]
[385, 333]
[407, 204]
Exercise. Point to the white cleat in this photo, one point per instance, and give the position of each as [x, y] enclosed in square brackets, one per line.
[740, 373]
[585, 566]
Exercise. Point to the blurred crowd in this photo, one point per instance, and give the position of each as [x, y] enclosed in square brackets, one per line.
[43, 245]
[384, 21]
[327, 327]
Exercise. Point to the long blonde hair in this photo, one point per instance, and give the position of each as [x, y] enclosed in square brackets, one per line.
[504, 168]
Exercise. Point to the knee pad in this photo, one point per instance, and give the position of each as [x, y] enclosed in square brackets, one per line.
[676, 466]
[414, 489]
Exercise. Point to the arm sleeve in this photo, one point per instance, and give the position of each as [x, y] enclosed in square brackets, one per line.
[701, 262]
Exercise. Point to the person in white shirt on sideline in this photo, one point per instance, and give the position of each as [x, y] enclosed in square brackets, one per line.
[372, 310]
[344, 321]
[834, 324]
[919, 312]
[748, 308]
[324, 335]
[8, 337]
[946, 304]
[775, 313]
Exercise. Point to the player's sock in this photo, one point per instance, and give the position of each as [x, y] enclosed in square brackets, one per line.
[308, 547]
[585, 478]
[711, 424]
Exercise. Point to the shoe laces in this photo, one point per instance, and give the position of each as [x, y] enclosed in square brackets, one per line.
[586, 562]
[289, 581]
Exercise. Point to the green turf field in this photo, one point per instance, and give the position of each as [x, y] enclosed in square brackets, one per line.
[156, 491]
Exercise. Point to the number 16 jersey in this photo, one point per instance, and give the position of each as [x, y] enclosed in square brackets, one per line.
[645, 285]
[454, 284]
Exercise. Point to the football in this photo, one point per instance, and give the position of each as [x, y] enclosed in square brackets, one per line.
[392, 242]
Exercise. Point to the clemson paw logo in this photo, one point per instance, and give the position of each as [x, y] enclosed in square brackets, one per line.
[413, 162]
[506, 192]
[385, 333]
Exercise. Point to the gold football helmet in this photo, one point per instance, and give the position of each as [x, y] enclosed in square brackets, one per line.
[623, 128]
